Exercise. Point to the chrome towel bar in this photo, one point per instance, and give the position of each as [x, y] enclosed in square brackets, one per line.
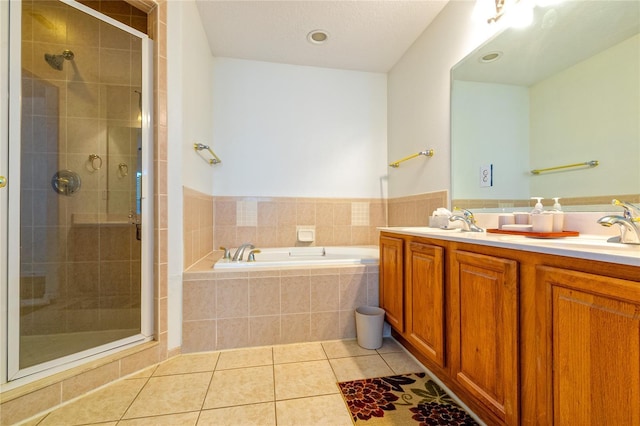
[426, 153]
[200, 147]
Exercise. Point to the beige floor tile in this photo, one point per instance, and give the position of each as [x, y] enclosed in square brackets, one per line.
[240, 386]
[314, 411]
[239, 358]
[182, 419]
[361, 367]
[390, 345]
[107, 404]
[246, 415]
[190, 363]
[401, 363]
[302, 379]
[170, 394]
[298, 353]
[345, 348]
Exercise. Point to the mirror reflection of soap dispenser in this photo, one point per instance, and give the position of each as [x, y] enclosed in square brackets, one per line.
[538, 208]
[558, 216]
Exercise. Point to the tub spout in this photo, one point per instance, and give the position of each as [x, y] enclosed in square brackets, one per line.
[237, 257]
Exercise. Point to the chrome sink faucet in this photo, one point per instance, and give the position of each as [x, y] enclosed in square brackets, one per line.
[629, 223]
[237, 257]
[468, 219]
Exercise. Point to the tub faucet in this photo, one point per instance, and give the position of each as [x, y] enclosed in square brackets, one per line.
[468, 219]
[629, 223]
[238, 254]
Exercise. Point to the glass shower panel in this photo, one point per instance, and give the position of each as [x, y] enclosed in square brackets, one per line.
[80, 258]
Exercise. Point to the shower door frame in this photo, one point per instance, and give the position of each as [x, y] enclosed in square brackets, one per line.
[10, 152]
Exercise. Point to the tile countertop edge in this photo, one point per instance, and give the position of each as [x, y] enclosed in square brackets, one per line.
[631, 258]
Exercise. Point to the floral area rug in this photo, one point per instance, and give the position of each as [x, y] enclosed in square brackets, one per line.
[407, 399]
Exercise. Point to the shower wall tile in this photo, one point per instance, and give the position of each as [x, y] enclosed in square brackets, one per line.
[50, 99]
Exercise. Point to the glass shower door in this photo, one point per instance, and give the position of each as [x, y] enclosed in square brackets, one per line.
[80, 281]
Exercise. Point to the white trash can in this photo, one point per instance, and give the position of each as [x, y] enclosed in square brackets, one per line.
[369, 323]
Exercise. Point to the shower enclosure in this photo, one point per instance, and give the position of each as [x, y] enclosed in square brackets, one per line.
[79, 156]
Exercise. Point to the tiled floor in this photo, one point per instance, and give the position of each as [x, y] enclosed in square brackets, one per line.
[283, 385]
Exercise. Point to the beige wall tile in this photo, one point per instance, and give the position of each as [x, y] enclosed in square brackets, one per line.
[325, 293]
[353, 290]
[264, 330]
[294, 294]
[295, 328]
[199, 300]
[13, 411]
[198, 336]
[232, 299]
[325, 325]
[286, 213]
[92, 379]
[264, 296]
[232, 333]
[342, 213]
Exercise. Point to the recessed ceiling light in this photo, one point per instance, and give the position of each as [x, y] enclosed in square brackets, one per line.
[490, 57]
[317, 36]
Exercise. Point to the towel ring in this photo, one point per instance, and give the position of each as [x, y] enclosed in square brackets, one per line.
[95, 161]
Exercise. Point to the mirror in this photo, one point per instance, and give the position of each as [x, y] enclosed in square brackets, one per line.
[564, 91]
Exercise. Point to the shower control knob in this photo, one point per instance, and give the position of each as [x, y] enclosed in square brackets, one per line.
[3, 181]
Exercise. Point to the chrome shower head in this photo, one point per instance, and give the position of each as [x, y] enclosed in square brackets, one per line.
[57, 61]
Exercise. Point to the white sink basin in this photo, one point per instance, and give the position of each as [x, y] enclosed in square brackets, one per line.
[580, 243]
[428, 229]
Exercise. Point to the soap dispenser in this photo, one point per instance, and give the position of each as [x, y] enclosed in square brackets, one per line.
[538, 208]
[558, 216]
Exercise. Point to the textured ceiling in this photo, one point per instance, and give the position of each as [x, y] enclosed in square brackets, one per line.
[363, 35]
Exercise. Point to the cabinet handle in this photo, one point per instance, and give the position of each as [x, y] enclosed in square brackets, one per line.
[3, 181]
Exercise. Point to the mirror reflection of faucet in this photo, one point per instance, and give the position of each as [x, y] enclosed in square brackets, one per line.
[629, 223]
[468, 220]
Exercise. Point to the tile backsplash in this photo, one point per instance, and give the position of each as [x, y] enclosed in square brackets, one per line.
[212, 222]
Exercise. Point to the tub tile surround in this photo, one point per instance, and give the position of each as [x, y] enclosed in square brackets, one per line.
[273, 221]
[223, 310]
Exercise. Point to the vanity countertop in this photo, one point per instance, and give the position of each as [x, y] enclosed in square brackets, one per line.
[593, 247]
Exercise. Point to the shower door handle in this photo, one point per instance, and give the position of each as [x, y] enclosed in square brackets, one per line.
[3, 181]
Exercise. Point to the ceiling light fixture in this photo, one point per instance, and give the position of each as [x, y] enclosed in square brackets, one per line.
[490, 57]
[317, 36]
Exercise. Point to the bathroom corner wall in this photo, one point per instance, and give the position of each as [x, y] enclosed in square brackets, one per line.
[198, 214]
[414, 210]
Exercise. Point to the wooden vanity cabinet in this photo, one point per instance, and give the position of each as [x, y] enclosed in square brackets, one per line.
[391, 288]
[425, 309]
[591, 351]
[484, 330]
[523, 338]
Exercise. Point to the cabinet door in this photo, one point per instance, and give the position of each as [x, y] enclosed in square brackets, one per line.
[592, 357]
[425, 300]
[392, 280]
[484, 331]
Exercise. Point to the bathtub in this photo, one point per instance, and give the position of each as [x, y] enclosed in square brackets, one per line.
[284, 257]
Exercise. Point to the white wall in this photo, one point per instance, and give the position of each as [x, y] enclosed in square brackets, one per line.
[589, 112]
[296, 131]
[189, 74]
[418, 106]
[493, 120]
